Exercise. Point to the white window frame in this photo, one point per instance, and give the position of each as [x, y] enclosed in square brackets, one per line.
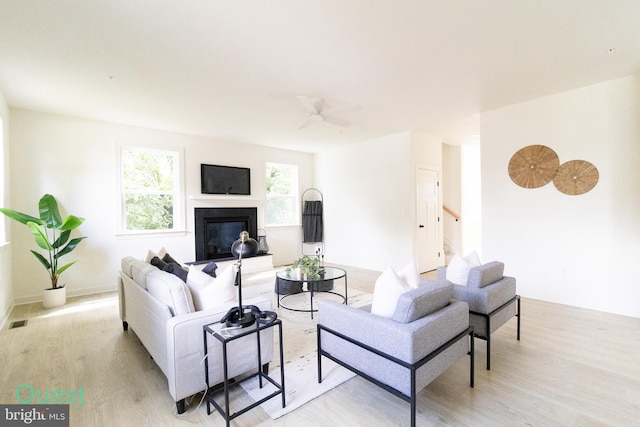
[178, 190]
[295, 196]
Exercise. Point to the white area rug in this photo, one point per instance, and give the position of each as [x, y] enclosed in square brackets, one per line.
[300, 348]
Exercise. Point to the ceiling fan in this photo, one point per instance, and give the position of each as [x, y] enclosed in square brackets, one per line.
[316, 112]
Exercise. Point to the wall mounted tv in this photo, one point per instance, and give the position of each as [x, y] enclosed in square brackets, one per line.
[216, 179]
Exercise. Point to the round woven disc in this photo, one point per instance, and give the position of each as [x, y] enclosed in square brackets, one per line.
[576, 177]
[533, 166]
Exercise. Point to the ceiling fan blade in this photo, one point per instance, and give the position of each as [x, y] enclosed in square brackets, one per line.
[343, 109]
[336, 121]
[305, 124]
[312, 105]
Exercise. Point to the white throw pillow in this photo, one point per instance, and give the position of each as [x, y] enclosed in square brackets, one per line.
[170, 290]
[211, 292]
[409, 274]
[386, 292]
[150, 255]
[473, 258]
[458, 268]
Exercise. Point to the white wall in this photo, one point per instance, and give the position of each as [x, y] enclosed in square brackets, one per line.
[75, 160]
[471, 190]
[577, 250]
[452, 197]
[6, 294]
[369, 193]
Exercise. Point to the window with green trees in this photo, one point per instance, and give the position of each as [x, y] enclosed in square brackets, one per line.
[150, 189]
[282, 194]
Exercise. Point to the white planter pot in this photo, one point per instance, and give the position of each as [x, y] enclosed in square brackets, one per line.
[54, 297]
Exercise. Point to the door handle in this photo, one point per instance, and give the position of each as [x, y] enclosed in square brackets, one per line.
[421, 226]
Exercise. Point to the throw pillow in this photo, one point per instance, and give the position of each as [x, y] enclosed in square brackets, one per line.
[149, 257]
[210, 269]
[409, 274]
[169, 259]
[458, 268]
[160, 254]
[177, 270]
[170, 290]
[208, 292]
[158, 263]
[386, 292]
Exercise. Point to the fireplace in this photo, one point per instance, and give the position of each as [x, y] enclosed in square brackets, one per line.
[217, 228]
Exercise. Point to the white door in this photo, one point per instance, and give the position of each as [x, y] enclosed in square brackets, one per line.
[428, 201]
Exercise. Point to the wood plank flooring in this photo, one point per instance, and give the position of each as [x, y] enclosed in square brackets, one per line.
[572, 367]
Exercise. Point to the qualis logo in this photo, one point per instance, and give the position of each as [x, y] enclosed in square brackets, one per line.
[37, 415]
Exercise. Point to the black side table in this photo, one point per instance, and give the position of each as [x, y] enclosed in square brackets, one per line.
[216, 331]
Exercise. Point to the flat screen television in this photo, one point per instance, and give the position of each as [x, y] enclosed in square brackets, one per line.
[217, 179]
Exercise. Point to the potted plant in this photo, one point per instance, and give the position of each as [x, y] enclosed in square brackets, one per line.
[52, 234]
[305, 268]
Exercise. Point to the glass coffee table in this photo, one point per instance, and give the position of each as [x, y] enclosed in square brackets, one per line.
[311, 287]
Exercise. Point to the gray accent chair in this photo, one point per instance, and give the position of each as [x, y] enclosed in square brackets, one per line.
[491, 297]
[427, 333]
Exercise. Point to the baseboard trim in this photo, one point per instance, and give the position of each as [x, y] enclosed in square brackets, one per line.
[30, 299]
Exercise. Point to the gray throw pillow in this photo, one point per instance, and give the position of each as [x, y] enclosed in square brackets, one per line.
[210, 269]
[176, 269]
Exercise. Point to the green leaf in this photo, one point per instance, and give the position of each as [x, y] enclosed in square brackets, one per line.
[42, 259]
[64, 267]
[71, 223]
[39, 234]
[71, 246]
[64, 237]
[49, 212]
[21, 217]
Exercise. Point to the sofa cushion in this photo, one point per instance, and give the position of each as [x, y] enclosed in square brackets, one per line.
[459, 266]
[386, 292]
[126, 263]
[139, 272]
[170, 290]
[486, 274]
[423, 301]
[409, 274]
[211, 292]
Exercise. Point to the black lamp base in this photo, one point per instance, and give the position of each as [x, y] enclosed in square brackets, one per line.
[246, 319]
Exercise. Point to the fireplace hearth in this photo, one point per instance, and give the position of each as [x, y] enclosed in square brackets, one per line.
[217, 228]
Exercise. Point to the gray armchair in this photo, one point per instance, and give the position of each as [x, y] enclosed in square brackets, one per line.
[426, 335]
[491, 297]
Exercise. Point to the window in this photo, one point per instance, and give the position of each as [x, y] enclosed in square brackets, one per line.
[151, 196]
[282, 194]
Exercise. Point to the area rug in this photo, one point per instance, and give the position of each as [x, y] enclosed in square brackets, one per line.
[300, 348]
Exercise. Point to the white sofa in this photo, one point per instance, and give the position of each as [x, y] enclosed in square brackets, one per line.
[175, 342]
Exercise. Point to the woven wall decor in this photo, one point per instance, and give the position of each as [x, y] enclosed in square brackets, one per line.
[576, 177]
[533, 166]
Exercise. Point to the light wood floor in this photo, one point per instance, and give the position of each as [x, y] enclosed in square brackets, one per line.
[572, 367]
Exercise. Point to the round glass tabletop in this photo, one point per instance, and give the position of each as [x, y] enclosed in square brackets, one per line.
[327, 273]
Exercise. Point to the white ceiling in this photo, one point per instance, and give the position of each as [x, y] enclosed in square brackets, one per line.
[232, 69]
